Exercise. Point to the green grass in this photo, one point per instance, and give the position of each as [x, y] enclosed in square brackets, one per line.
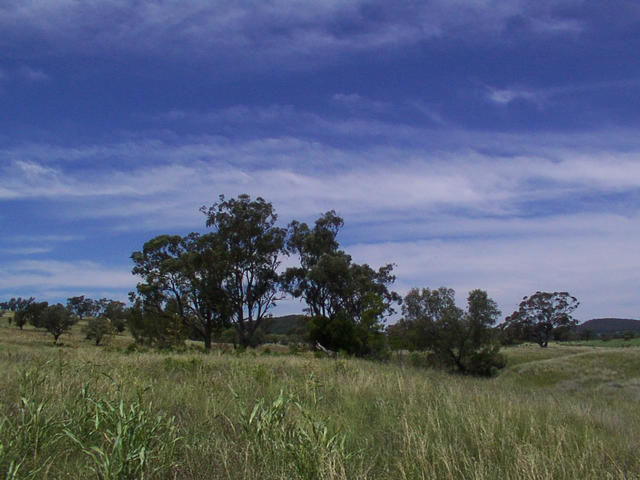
[564, 412]
[614, 342]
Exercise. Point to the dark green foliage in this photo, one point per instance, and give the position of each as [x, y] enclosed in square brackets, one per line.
[31, 312]
[210, 282]
[17, 305]
[458, 340]
[98, 328]
[347, 301]
[542, 315]
[252, 246]
[157, 326]
[56, 320]
[182, 280]
[82, 307]
[116, 313]
[112, 315]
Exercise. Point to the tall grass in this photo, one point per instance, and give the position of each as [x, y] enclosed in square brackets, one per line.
[86, 412]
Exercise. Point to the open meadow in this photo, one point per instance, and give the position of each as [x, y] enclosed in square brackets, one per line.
[80, 411]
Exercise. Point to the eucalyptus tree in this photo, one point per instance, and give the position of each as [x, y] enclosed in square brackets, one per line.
[457, 339]
[82, 307]
[57, 320]
[252, 246]
[542, 314]
[347, 302]
[30, 311]
[16, 305]
[183, 277]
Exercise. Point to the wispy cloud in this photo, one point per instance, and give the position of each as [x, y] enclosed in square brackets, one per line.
[264, 30]
[364, 183]
[33, 74]
[506, 96]
[37, 275]
[542, 97]
[592, 256]
[41, 238]
[358, 102]
[25, 250]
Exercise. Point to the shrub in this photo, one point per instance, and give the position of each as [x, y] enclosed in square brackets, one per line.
[98, 329]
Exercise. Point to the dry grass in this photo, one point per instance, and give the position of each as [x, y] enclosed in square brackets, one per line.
[563, 412]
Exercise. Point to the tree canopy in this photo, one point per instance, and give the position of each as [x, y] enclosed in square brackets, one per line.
[542, 314]
[458, 339]
[347, 301]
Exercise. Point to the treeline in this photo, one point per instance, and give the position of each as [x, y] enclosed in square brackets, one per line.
[221, 286]
[104, 316]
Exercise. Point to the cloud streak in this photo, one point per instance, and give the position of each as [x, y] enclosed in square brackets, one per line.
[29, 275]
[265, 30]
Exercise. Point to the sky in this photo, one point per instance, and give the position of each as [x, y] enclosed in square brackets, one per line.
[474, 144]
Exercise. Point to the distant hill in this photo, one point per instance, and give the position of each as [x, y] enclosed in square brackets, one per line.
[287, 324]
[610, 325]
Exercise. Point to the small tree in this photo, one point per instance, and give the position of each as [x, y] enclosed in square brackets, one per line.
[29, 311]
[82, 307]
[156, 325]
[460, 340]
[116, 313]
[542, 314]
[98, 328]
[57, 320]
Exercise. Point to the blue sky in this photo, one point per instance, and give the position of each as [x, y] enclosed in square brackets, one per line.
[476, 144]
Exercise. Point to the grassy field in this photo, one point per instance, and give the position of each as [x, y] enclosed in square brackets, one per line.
[614, 342]
[79, 411]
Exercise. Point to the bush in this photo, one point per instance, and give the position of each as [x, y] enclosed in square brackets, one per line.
[486, 362]
[98, 329]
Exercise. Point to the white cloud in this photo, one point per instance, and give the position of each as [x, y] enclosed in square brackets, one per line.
[25, 250]
[263, 31]
[507, 95]
[39, 275]
[367, 183]
[41, 238]
[597, 264]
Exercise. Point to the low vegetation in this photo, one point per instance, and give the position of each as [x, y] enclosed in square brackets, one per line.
[77, 411]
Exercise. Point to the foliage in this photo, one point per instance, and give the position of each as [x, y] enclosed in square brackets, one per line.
[542, 315]
[252, 245]
[347, 301]
[183, 276]
[566, 403]
[158, 326]
[458, 340]
[272, 429]
[16, 305]
[56, 320]
[116, 313]
[98, 328]
[82, 307]
[30, 312]
[212, 281]
[128, 441]
[23, 438]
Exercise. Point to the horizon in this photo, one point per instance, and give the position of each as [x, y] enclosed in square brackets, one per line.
[474, 145]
